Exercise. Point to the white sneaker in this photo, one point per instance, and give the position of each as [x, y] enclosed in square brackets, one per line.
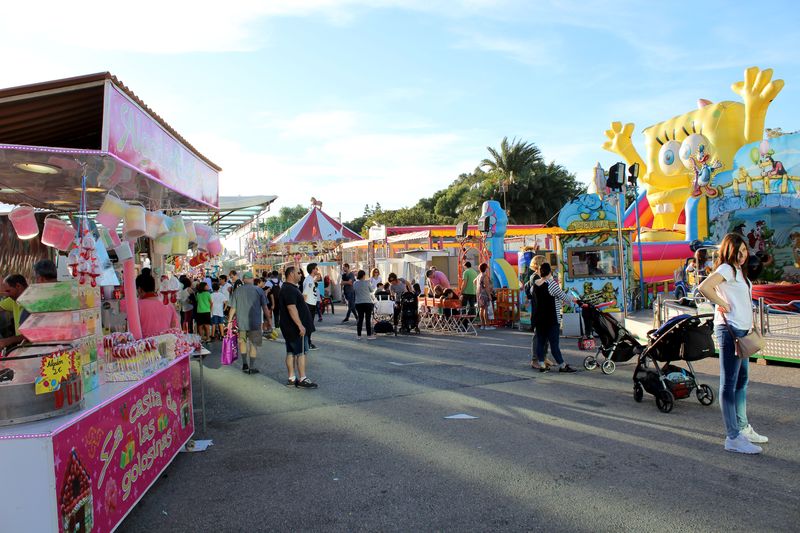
[741, 445]
[751, 435]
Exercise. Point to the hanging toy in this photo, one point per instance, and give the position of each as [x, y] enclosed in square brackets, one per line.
[94, 273]
[73, 260]
[88, 260]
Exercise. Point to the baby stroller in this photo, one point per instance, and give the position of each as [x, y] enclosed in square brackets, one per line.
[685, 337]
[409, 312]
[617, 344]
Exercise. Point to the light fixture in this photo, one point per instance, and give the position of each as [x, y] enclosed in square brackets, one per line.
[91, 189]
[38, 168]
[6, 190]
[62, 202]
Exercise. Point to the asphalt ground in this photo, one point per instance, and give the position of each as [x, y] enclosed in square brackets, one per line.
[370, 450]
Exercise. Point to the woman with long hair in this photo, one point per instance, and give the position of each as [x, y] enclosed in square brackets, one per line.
[485, 289]
[731, 292]
[375, 279]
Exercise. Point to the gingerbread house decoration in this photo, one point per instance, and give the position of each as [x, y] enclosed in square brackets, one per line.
[77, 511]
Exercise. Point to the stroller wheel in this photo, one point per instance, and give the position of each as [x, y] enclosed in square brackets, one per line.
[705, 394]
[665, 401]
[608, 367]
[590, 363]
[638, 392]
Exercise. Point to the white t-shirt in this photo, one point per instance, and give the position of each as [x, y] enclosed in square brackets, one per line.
[735, 291]
[310, 290]
[373, 283]
[218, 300]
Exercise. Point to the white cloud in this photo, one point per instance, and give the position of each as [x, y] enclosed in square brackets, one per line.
[533, 52]
[341, 159]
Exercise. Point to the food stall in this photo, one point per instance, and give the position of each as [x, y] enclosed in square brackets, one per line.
[590, 263]
[92, 412]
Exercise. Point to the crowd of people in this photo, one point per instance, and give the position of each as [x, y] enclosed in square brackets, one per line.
[259, 307]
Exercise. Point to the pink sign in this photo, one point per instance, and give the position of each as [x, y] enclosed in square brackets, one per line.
[133, 136]
[107, 460]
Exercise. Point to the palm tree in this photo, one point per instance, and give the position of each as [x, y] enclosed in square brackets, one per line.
[512, 159]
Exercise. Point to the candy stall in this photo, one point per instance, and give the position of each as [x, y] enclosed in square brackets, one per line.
[92, 410]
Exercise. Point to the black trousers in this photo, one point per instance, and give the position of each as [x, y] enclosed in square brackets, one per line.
[364, 312]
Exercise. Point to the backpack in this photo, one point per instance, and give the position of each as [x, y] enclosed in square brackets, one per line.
[275, 291]
[383, 326]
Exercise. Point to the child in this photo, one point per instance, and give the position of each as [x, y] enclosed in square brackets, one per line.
[218, 301]
[203, 311]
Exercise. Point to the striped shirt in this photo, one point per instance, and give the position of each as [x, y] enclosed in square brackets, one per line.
[555, 291]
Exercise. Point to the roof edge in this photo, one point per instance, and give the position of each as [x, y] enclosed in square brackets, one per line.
[35, 89]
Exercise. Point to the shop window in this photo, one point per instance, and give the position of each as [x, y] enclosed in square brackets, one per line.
[593, 262]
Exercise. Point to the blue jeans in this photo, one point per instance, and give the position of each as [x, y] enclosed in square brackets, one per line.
[550, 335]
[351, 306]
[733, 378]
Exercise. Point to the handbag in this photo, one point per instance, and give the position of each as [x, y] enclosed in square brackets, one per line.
[750, 344]
[230, 345]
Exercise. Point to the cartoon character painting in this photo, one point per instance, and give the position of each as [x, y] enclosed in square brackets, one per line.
[703, 167]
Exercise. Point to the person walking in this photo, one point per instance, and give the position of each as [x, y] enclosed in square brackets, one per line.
[310, 295]
[248, 303]
[203, 298]
[468, 289]
[547, 317]
[364, 306]
[296, 323]
[185, 297]
[728, 288]
[218, 302]
[484, 290]
[348, 279]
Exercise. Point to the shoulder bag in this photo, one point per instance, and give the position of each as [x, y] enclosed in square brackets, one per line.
[750, 344]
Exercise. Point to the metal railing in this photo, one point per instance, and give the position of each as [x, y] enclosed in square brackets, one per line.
[779, 326]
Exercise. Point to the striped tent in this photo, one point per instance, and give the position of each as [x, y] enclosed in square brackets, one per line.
[316, 226]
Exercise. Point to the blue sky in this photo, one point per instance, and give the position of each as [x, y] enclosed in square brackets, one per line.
[355, 101]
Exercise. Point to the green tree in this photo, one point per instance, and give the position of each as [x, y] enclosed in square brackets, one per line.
[512, 159]
[286, 216]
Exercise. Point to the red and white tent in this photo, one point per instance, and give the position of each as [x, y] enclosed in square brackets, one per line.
[316, 226]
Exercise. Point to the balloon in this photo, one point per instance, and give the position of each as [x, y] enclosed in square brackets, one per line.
[754, 155]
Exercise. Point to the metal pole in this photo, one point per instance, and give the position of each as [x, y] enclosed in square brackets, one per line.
[639, 245]
[621, 259]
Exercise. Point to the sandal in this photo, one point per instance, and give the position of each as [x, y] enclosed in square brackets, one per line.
[535, 365]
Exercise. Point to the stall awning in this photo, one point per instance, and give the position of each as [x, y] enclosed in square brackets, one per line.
[405, 237]
[234, 212]
[94, 126]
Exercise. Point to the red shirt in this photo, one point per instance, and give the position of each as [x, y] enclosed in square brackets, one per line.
[156, 317]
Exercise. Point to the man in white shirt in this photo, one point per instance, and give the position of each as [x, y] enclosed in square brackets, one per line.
[310, 294]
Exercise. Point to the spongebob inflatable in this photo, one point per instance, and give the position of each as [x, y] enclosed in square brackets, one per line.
[684, 152]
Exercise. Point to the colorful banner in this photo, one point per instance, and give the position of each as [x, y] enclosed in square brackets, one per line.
[135, 137]
[107, 460]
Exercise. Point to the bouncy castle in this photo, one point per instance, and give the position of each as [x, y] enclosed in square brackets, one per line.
[716, 170]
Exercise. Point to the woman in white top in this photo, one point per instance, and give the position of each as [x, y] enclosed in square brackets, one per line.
[729, 289]
[375, 279]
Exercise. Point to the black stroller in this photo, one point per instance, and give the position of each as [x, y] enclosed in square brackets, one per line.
[684, 337]
[617, 344]
[409, 312]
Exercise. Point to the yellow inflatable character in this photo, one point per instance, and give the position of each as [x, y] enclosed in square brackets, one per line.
[673, 147]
